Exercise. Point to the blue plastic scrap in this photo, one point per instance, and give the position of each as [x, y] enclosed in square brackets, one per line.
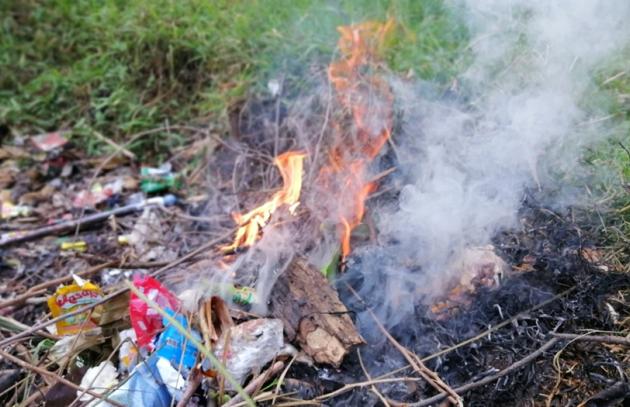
[174, 346]
[144, 388]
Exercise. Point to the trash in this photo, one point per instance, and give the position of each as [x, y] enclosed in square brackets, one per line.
[79, 246]
[137, 198]
[238, 295]
[26, 235]
[145, 321]
[243, 295]
[249, 346]
[144, 388]
[158, 179]
[171, 378]
[9, 211]
[97, 194]
[114, 276]
[123, 240]
[274, 87]
[114, 310]
[174, 347]
[99, 379]
[49, 141]
[71, 297]
[146, 238]
[71, 345]
[128, 352]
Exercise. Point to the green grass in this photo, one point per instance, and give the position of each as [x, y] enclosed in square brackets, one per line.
[610, 160]
[120, 67]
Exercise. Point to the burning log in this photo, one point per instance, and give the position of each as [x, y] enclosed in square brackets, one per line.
[313, 314]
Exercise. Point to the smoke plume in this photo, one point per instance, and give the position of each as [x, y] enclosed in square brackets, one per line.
[514, 124]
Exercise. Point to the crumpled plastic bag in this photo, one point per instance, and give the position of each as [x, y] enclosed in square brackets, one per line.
[249, 346]
[69, 346]
[128, 352]
[146, 238]
[145, 321]
[99, 379]
[144, 388]
[172, 378]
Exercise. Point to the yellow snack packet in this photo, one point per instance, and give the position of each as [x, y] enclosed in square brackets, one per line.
[69, 298]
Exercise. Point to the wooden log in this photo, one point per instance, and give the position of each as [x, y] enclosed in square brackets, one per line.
[312, 313]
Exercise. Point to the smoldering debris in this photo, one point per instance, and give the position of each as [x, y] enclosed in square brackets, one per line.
[429, 212]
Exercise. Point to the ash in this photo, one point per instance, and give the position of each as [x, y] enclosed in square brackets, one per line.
[550, 245]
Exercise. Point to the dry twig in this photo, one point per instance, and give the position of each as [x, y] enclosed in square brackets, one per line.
[109, 297]
[55, 377]
[617, 340]
[489, 379]
[373, 387]
[193, 382]
[427, 374]
[255, 384]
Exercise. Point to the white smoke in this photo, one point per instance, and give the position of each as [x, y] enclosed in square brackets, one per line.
[466, 166]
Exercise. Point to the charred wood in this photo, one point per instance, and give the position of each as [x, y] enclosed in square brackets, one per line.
[313, 315]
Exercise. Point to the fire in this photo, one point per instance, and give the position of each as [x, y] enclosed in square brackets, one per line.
[251, 223]
[368, 100]
[359, 132]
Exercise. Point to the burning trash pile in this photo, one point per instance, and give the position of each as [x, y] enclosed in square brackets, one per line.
[302, 287]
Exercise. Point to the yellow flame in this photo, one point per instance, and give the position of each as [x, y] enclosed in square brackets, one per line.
[251, 223]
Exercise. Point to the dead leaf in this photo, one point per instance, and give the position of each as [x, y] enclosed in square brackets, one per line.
[33, 198]
[13, 152]
[591, 255]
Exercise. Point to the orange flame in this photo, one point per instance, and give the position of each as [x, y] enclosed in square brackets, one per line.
[369, 101]
[251, 223]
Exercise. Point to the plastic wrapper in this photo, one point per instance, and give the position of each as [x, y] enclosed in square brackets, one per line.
[97, 194]
[49, 141]
[128, 352]
[99, 379]
[69, 298]
[144, 387]
[250, 345]
[145, 321]
[146, 238]
[158, 179]
[172, 378]
[71, 345]
[9, 211]
[175, 347]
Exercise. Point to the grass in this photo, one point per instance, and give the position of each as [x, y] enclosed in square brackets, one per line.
[611, 159]
[120, 67]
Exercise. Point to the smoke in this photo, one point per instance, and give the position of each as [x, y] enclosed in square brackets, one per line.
[466, 163]
[514, 120]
